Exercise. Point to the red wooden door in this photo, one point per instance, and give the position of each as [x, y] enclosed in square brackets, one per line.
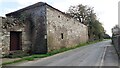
[15, 41]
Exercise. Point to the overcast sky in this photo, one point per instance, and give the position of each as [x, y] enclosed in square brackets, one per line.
[106, 10]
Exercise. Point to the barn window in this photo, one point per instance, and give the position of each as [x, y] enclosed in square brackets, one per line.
[58, 16]
[67, 20]
[45, 36]
[61, 35]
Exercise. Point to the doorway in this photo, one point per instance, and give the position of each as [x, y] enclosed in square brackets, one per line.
[15, 40]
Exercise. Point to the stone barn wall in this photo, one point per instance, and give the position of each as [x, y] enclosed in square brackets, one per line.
[8, 25]
[64, 31]
[0, 32]
[4, 37]
[43, 29]
[35, 26]
[1, 19]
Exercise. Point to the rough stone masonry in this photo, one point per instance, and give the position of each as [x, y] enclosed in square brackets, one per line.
[41, 28]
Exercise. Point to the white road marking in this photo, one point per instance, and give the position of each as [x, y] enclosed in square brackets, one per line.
[103, 56]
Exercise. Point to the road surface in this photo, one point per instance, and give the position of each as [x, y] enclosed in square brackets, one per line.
[98, 54]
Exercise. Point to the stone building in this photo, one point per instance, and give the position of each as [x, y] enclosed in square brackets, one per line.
[1, 32]
[40, 28]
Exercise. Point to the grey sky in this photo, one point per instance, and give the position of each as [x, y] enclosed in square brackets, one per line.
[107, 10]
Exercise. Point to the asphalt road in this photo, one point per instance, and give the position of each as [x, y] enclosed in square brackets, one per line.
[99, 54]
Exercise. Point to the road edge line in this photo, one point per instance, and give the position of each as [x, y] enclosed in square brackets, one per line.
[103, 56]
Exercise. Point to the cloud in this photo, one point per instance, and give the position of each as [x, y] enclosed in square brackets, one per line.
[27, 2]
[1, 1]
[107, 10]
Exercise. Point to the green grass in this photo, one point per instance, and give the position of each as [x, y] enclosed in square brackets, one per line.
[16, 61]
[32, 57]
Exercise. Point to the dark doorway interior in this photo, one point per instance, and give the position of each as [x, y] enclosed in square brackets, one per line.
[15, 41]
[62, 35]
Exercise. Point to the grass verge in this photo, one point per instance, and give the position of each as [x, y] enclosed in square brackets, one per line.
[32, 57]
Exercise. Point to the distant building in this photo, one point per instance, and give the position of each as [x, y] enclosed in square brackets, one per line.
[41, 28]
